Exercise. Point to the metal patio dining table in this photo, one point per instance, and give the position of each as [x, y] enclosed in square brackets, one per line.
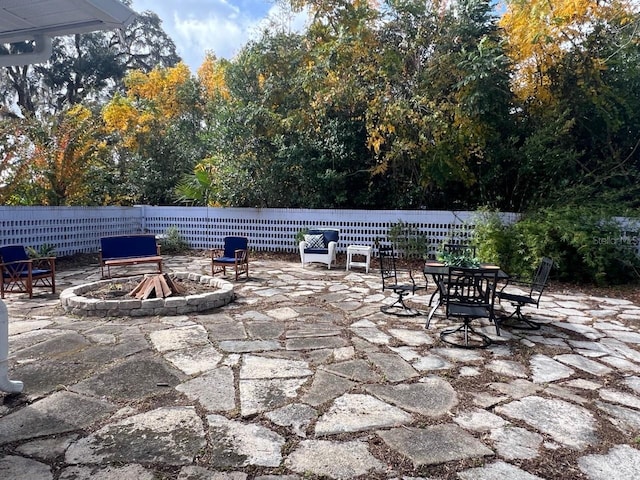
[438, 270]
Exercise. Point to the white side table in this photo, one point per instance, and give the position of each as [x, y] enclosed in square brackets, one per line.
[358, 250]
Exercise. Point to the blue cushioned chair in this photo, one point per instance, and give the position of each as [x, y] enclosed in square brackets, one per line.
[21, 273]
[319, 245]
[234, 254]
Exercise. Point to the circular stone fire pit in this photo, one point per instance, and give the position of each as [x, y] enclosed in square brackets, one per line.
[74, 300]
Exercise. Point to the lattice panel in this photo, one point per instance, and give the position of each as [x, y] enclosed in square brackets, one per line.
[78, 229]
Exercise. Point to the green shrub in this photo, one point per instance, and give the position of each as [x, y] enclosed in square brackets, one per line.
[408, 240]
[300, 235]
[492, 238]
[44, 250]
[586, 243]
[173, 242]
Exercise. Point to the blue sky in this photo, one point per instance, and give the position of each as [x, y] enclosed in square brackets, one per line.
[220, 26]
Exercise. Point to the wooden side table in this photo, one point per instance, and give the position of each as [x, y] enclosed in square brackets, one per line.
[363, 250]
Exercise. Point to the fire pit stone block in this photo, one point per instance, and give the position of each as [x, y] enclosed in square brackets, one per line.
[73, 301]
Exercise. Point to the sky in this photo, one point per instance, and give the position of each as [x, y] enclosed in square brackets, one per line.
[219, 26]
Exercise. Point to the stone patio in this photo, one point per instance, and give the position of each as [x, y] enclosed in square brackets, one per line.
[302, 377]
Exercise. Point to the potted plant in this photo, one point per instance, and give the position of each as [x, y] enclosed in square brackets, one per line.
[301, 233]
[462, 257]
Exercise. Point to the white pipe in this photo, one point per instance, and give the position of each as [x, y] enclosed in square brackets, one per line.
[6, 385]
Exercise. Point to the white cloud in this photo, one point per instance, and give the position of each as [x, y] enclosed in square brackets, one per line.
[223, 36]
[220, 26]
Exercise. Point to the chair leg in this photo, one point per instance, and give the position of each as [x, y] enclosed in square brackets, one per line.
[400, 308]
[433, 296]
[238, 270]
[242, 268]
[431, 313]
[497, 324]
[518, 321]
[217, 268]
[468, 332]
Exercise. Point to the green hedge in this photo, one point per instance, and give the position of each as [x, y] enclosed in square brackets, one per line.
[586, 243]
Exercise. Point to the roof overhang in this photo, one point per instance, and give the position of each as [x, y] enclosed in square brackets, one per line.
[40, 20]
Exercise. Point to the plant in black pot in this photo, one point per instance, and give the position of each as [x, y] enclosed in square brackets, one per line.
[460, 256]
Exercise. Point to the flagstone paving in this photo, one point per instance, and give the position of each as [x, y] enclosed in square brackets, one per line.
[303, 377]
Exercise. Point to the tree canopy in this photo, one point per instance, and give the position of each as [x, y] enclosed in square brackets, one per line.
[396, 104]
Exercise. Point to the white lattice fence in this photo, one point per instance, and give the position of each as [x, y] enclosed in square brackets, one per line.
[78, 229]
[275, 229]
[70, 229]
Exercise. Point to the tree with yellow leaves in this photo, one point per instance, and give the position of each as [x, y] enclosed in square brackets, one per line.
[441, 101]
[540, 33]
[576, 84]
[212, 77]
[53, 161]
[157, 125]
[152, 102]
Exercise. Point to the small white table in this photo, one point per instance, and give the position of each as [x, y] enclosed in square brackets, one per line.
[358, 250]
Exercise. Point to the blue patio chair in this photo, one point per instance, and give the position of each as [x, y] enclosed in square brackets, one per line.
[21, 273]
[235, 253]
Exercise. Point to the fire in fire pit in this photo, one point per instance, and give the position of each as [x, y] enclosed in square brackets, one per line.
[157, 286]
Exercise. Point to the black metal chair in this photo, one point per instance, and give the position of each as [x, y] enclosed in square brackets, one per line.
[469, 294]
[535, 288]
[390, 281]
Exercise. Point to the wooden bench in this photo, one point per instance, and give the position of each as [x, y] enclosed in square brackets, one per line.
[122, 250]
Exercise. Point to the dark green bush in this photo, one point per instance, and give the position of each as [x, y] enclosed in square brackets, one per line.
[587, 244]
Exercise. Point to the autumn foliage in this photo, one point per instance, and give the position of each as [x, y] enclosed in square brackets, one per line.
[151, 103]
[53, 166]
[395, 104]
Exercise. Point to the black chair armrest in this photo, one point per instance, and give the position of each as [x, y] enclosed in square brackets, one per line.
[515, 282]
[411, 276]
[413, 281]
